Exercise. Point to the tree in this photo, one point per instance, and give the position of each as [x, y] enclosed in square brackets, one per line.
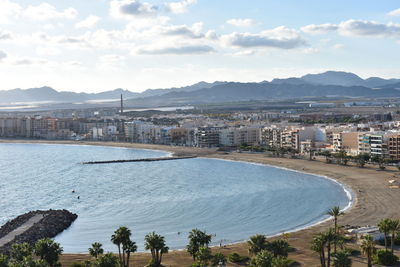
[4, 260]
[330, 237]
[129, 247]
[318, 245]
[257, 243]
[262, 259]
[362, 159]
[335, 213]
[384, 227]
[327, 154]
[278, 247]
[394, 228]
[281, 262]
[203, 256]
[96, 250]
[197, 239]
[156, 244]
[368, 248]
[120, 238]
[341, 259]
[217, 259]
[107, 260]
[20, 251]
[49, 251]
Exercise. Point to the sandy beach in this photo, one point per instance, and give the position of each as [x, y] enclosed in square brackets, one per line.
[373, 201]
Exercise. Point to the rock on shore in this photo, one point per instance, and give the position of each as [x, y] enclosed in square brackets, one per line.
[52, 223]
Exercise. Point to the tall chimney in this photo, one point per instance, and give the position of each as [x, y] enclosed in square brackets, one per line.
[122, 105]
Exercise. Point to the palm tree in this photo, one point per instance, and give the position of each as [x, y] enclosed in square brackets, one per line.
[384, 227]
[318, 245]
[129, 247]
[341, 259]
[156, 244]
[96, 250]
[120, 237]
[279, 247]
[262, 259]
[257, 243]
[48, 251]
[335, 213]
[330, 237]
[394, 226]
[368, 248]
[197, 239]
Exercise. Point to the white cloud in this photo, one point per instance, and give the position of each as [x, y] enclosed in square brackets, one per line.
[111, 61]
[89, 22]
[5, 35]
[8, 10]
[180, 7]
[362, 28]
[338, 46]
[394, 13]
[245, 53]
[45, 11]
[369, 28]
[183, 49]
[182, 30]
[281, 37]
[211, 35]
[47, 51]
[311, 50]
[3, 55]
[241, 22]
[132, 9]
[319, 29]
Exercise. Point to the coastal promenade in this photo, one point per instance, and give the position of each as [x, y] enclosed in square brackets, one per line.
[373, 201]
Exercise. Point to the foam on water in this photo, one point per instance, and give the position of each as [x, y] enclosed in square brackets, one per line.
[232, 200]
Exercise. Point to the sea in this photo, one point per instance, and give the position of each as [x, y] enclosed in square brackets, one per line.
[230, 200]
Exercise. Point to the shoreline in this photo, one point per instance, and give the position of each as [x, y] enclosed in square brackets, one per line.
[372, 198]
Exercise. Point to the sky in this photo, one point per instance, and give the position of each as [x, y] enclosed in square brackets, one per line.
[99, 45]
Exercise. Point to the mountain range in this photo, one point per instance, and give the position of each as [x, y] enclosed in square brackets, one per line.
[331, 83]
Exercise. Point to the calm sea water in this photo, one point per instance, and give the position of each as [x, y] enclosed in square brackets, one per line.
[229, 199]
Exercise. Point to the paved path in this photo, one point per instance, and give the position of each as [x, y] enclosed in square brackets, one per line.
[10, 236]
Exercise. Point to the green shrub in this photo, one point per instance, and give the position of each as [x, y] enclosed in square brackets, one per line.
[217, 258]
[77, 264]
[352, 251]
[385, 258]
[236, 258]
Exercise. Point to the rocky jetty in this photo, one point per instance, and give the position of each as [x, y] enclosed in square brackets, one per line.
[50, 224]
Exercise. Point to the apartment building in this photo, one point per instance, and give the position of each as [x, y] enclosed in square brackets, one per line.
[207, 136]
[393, 146]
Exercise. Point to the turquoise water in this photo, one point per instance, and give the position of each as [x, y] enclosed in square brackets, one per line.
[232, 200]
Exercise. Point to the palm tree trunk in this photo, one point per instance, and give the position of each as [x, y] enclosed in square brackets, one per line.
[386, 246]
[329, 254]
[128, 254]
[119, 253]
[369, 260]
[335, 241]
[392, 241]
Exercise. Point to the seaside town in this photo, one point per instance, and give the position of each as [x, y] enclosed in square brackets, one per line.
[375, 134]
[192, 133]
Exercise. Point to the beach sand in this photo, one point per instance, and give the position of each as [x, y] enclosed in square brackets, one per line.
[373, 201]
